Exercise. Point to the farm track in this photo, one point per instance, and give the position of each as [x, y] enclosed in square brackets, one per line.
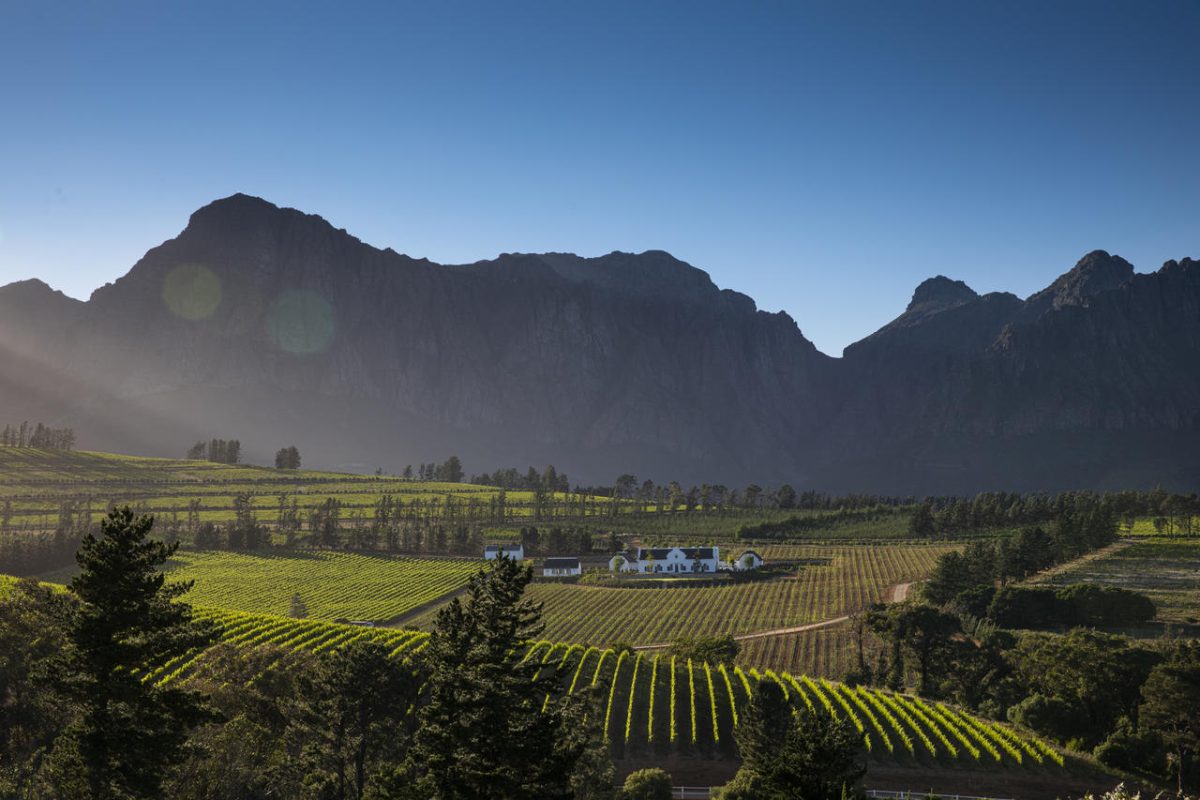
[400, 620]
[894, 594]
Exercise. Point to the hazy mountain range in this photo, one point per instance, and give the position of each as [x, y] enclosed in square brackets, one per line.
[273, 327]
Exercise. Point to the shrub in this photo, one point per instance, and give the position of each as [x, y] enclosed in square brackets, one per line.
[647, 784]
[1051, 716]
[1130, 749]
[1093, 605]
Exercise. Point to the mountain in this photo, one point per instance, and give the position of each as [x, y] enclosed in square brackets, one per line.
[272, 326]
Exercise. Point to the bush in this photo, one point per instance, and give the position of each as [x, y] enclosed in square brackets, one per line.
[1021, 607]
[1051, 716]
[1130, 749]
[1093, 605]
[647, 784]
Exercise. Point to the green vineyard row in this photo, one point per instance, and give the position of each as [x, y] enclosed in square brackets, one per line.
[655, 703]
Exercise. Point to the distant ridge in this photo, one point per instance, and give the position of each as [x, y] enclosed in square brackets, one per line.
[273, 326]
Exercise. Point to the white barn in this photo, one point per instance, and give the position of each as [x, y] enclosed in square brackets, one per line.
[669, 560]
[561, 567]
[514, 551]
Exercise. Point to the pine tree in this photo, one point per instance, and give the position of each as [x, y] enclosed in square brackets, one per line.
[484, 732]
[127, 732]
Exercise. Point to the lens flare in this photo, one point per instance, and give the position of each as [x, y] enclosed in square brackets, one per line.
[192, 291]
[301, 322]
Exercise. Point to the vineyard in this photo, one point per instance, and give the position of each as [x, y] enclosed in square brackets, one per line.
[35, 485]
[657, 704]
[331, 584]
[840, 580]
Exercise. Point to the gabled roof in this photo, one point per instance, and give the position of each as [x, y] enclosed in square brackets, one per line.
[561, 563]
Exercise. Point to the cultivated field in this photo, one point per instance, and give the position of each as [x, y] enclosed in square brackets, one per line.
[34, 485]
[331, 584]
[654, 704]
[842, 579]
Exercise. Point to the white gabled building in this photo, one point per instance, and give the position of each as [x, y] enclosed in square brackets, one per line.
[668, 560]
[747, 561]
[514, 551]
[561, 567]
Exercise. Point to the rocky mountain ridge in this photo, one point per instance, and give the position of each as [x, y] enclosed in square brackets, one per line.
[272, 326]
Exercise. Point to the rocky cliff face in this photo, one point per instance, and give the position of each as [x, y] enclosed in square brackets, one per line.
[271, 326]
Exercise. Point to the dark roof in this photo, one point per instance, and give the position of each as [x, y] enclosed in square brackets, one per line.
[561, 563]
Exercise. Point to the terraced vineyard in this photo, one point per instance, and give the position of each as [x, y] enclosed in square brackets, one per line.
[332, 584]
[658, 704]
[841, 579]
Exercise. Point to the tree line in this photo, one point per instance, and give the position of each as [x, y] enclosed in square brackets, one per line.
[971, 638]
[220, 451]
[38, 436]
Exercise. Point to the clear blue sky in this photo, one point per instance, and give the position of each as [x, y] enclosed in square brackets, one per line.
[823, 158]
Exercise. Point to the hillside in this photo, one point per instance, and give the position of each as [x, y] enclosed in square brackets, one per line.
[274, 327]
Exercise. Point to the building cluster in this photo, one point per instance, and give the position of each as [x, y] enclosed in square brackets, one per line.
[640, 560]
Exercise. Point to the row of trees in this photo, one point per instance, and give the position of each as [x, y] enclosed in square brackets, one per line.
[1085, 525]
[220, 451]
[549, 480]
[38, 435]
[449, 471]
[1008, 510]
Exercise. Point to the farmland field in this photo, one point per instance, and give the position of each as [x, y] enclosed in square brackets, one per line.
[851, 579]
[1165, 569]
[332, 584]
[34, 484]
[654, 704]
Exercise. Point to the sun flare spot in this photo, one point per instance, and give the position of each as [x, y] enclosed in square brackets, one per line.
[301, 322]
[192, 291]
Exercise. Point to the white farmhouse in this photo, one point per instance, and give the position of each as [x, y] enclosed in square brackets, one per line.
[747, 561]
[514, 551]
[561, 567]
[668, 560]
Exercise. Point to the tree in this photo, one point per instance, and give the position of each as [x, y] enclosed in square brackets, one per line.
[31, 637]
[127, 731]
[921, 523]
[624, 486]
[488, 729]
[288, 458]
[647, 784]
[786, 756]
[451, 471]
[352, 712]
[1171, 706]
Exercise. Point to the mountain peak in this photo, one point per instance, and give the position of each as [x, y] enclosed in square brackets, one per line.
[939, 293]
[1096, 272]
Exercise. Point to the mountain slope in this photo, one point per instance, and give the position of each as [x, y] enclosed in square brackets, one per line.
[274, 327]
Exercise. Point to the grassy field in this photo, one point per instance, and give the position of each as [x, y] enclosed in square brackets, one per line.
[850, 578]
[1165, 569]
[332, 585]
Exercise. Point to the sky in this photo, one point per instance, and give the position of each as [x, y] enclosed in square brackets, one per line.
[822, 157]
